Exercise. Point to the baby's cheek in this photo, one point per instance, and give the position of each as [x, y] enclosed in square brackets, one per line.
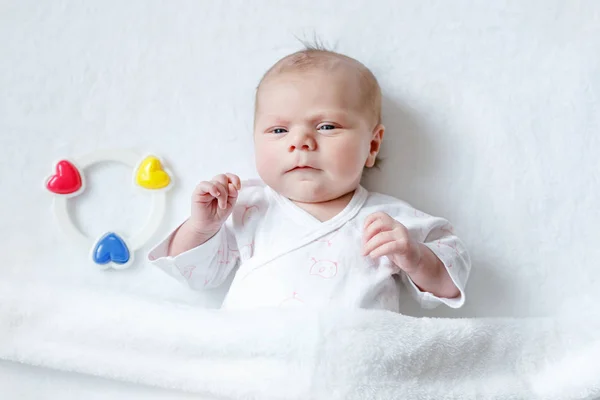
[266, 162]
[349, 158]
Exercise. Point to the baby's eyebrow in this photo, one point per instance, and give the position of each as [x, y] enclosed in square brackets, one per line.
[331, 115]
[275, 120]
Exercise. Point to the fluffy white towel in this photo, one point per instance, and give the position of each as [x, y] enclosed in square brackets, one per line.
[277, 354]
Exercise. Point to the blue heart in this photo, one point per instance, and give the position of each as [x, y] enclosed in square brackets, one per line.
[111, 248]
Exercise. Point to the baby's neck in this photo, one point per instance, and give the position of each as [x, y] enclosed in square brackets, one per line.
[326, 210]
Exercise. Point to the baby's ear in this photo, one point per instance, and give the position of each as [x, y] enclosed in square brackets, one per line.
[376, 139]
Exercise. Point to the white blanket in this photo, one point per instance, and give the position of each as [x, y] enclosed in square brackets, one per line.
[276, 354]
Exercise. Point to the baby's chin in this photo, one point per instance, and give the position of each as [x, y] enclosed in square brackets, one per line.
[309, 191]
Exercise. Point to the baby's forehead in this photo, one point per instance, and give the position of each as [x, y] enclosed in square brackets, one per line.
[339, 94]
[346, 70]
[314, 93]
[340, 81]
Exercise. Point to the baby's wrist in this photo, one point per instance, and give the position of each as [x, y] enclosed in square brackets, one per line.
[429, 265]
[422, 258]
[186, 238]
[201, 233]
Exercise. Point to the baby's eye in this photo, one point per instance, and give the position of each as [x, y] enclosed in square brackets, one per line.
[278, 131]
[326, 127]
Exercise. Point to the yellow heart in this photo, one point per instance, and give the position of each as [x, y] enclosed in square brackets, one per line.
[151, 175]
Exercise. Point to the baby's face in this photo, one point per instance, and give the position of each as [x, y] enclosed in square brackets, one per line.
[312, 134]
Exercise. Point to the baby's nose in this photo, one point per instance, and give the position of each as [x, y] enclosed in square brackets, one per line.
[304, 142]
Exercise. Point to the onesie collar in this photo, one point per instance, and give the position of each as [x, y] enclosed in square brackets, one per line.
[303, 217]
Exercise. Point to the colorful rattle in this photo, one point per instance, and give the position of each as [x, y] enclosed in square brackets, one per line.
[111, 250]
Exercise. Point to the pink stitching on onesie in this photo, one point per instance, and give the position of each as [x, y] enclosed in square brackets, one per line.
[225, 256]
[187, 271]
[250, 246]
[247, 215]
[324, 268]
[448, 229]
[292, 301]
[440, 244]
[223, 259]
[230, 249]
[328, 239]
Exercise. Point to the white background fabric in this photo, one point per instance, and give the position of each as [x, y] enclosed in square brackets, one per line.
[491, 110]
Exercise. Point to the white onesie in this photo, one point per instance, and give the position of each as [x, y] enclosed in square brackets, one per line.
[286, 257]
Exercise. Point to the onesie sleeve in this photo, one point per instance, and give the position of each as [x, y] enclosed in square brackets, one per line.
[203, 267]
[438, 235]
[210, 264]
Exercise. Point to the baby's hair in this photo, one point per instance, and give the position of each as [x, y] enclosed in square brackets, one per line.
[315, 55]
[315, 44]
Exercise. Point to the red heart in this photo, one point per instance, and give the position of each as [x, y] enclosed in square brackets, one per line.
[67, 179]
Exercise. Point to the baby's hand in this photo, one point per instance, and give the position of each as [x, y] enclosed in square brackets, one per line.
[384, 236]
[212, 203]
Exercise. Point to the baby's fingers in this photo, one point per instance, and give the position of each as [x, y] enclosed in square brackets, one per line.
[205, 192]
[235, 180]
[373, 228]
[221, 194]
[374, 245]
[232, 193]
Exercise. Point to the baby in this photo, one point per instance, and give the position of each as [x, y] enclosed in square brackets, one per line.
[308, 234]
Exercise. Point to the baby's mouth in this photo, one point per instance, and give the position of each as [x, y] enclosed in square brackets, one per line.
[302, 168]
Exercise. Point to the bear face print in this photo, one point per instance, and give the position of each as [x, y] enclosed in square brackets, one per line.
[325, 269]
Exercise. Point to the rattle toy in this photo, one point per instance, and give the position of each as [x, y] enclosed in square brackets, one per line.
[111, 250]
